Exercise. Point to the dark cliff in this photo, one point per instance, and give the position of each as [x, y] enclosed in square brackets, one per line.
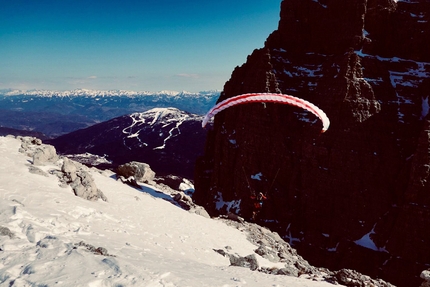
[357, 196]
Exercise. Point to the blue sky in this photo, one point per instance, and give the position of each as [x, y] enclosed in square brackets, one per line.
[146, 45]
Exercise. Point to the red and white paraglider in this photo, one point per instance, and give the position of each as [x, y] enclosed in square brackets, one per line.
[268, 97]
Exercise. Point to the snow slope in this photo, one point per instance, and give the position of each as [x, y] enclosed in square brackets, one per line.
[145, 240]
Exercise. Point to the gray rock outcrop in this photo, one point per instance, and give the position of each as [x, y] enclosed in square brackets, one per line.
[45, 153]
[140, 171]
[72, 173]
[29, 145]
[35, 170]
[41, 153]
[95, 250]
[186, 202]
[4, 231]
[80, 180]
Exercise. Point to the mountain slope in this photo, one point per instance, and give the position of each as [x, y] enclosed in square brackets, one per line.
[167, 139]
[50, 237]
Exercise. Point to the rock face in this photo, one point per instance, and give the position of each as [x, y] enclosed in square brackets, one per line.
[357, 196]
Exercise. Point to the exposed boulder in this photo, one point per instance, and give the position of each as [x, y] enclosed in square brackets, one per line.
[69, 168]
[45, 153]
[41, 153]
[140, 171]
[186, 202]
[80, 180]
[268, 253]
[235, 217]
[176, 182]
[35, 170]
[200, 210]
[131, 181]
[4, 231]
[249, 261]
[425, 275]
[171, 181]
[29, 145]
[183, 200]
[95, 250]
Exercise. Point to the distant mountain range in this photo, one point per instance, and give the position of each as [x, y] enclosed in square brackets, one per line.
[56, 113]
[100, 93]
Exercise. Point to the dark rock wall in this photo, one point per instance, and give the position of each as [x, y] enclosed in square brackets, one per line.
[358, 195]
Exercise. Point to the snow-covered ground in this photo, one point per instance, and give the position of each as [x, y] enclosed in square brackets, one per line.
[144, 240]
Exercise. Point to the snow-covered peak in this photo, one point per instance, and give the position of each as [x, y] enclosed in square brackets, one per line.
[168, 121]
[167, 92]
[164, 114]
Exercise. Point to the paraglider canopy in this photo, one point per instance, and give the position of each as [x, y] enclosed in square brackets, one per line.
[268, 97]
